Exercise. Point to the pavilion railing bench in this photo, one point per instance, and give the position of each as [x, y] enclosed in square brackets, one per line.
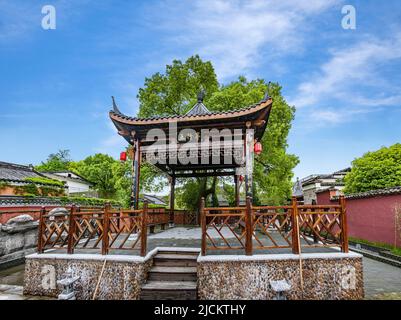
[106, 229]
[293, 227]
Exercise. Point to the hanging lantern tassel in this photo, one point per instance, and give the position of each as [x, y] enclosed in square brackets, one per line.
[123, 156]
[258, 148]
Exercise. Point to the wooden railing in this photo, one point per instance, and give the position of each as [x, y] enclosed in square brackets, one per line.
[8, 213]
[96, 229]
[274, 227]
[184, 217]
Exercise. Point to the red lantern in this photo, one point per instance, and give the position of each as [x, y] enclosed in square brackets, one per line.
[258, 148]
[241, 178]
[123, 156]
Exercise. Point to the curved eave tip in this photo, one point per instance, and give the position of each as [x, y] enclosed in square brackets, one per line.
[115, 108]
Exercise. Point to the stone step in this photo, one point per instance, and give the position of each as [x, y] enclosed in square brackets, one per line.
[178, 252]
[169, 290]
[169, 295]
[172, 274]
[388, 254]
[175, 260]
[377, 257]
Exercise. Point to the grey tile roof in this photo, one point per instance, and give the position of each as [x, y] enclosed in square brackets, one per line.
[374, 193]
[198, 109]
[16, 172]
[154, 199]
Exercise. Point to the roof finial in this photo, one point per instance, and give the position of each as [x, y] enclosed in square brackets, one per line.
[267, 97]
[201, 96]
[115, 108]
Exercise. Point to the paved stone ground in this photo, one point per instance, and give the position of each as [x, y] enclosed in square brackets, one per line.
[382, 281]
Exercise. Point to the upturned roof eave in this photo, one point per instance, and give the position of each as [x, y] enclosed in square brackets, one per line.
[119, 118]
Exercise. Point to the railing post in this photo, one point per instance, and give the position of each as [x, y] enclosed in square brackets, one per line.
[203, 226]
[41, 229]
[248, 227]
[71, 230]
[344, 225]
[144, 228]
[105, 240]
[295, 227]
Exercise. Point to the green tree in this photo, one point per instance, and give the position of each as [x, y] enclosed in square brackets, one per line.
[273, 167]
[122, 173]
[59, 161]
[375, 170]
[175, 92]
[99, 170]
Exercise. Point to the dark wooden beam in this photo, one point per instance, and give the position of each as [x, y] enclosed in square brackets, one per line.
[205, 174]
[136, 174]
[172, 198]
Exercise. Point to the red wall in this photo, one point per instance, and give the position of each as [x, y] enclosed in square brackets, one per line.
[372, 218]
[6, 215]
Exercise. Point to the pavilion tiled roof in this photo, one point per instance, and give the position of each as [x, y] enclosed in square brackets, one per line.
[198, 113]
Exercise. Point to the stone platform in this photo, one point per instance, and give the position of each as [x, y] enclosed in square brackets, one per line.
[311, 276]
[326, 276]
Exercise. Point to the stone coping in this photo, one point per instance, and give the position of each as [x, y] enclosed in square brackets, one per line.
[114, 257]
[280, 256]
[211, 258]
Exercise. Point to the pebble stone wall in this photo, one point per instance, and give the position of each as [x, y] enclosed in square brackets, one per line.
[336, 276]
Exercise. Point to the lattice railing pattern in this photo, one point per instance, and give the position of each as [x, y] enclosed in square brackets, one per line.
[272, 227]
[224, 228]
[54, 231]
[98, 229]
[158, 216]
[88, 229]
[125, 229]
[320, 226]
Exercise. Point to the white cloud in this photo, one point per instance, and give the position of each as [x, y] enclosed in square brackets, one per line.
[352, 71]
[234, 33]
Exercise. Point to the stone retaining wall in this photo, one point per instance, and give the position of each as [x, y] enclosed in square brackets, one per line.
[121, 279]
[326, 276]
[18, 237]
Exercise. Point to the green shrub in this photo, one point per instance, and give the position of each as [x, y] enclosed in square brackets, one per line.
[46, 181]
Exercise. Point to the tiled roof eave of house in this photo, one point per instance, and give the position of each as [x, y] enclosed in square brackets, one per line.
[64, 178]
[373, 193]
[24, 182]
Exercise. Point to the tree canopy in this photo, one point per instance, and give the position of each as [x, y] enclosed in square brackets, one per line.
[375, 170]
[58, 161]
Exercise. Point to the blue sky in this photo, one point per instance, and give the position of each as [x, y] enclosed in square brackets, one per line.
[56, 85]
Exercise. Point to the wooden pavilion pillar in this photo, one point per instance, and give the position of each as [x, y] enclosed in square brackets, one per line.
[136, 170]
[249, 141]
[172, 198]
[236, 190]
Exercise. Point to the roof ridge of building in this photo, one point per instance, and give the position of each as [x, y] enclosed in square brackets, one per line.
[372, 193]
[16, 166]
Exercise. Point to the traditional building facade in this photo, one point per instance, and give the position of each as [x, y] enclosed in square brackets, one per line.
[307, 188]
[76, 184]
[16, 179]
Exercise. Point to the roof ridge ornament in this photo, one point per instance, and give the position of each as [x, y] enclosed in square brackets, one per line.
[201, 96]
[115, 108]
